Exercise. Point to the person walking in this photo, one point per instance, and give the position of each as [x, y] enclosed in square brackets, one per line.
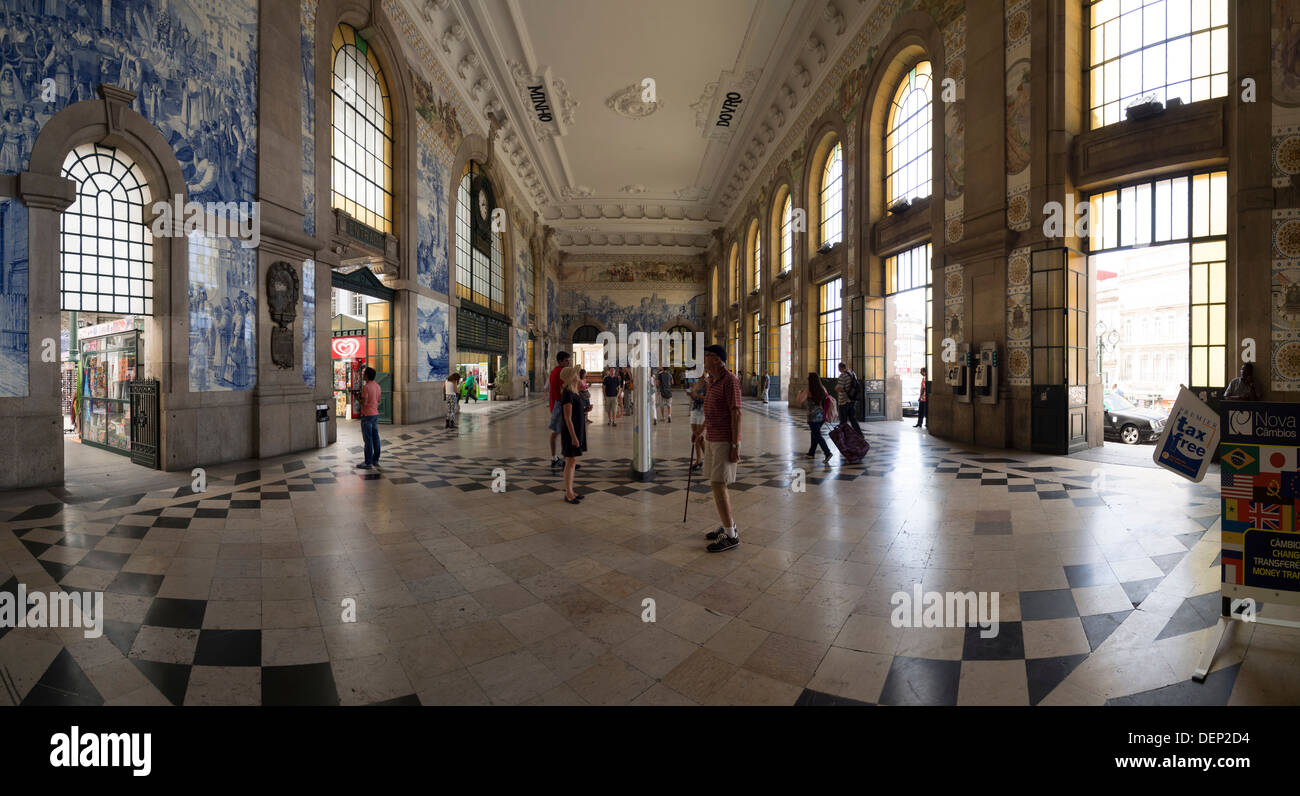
[848, 390]
[815, 401]
[924, 402]
[612, 384]
[721, 444]
[697, 392]
[629, 395]
[665, 379]
[370, 421]
[452, 396]
[574, 441]
[555, 390]
[471, 389]
[765, 384]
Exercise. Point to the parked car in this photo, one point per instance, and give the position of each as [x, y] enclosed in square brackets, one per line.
[1129, 424]
[910, 408]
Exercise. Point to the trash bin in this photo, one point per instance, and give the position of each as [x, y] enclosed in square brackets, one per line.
[322, 425]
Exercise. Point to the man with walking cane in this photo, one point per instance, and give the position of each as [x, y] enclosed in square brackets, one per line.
[721, 443]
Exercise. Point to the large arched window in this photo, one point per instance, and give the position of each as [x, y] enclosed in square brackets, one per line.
[907, 138]
[830, 196]
[106, 248]
[784, 220]
[362, 157]
[479, 278]
[734, 272]
[755, 255]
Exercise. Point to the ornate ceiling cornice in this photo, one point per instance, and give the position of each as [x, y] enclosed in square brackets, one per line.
[484, 50]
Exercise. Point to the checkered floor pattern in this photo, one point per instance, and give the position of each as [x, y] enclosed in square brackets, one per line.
[245, 620]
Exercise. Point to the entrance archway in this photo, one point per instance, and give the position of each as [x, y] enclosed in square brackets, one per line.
[33, 414]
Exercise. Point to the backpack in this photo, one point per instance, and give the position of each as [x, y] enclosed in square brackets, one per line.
[855, 387]
[829, 412]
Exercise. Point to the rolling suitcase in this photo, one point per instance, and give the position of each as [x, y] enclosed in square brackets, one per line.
[852, 445]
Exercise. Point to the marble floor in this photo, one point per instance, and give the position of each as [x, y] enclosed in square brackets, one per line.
[471, 582]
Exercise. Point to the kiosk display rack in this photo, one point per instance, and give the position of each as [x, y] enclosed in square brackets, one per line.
[109, 355]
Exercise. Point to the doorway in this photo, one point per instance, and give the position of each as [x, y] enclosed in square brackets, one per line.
[778, 351]
[1159, 251]
[361, 336]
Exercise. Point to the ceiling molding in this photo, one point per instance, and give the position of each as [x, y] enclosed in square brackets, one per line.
[775, 60]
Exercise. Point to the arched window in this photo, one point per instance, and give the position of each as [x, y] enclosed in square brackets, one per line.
[362, 158]
[106, 248]
[479, 278]
[907, 138]
[831, 195]
[756, 255]
[785, 234]
[734, 272]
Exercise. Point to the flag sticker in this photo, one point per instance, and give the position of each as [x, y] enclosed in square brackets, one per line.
[1275, 459]
[1237, 486]
[1240, 459]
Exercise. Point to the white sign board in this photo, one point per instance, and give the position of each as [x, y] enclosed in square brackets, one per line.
[1190, 438]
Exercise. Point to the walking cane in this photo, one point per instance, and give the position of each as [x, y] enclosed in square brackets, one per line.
[690, 470]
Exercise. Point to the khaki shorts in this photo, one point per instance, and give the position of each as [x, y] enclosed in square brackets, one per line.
[610, 405]
[716, 465]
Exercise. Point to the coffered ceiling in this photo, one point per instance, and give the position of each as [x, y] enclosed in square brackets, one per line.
[635, 126]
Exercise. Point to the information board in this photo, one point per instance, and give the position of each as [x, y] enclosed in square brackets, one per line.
[1259, 493]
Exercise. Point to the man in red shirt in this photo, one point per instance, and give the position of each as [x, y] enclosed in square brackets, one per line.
[370, 421]
[555, 388]
[721, 443]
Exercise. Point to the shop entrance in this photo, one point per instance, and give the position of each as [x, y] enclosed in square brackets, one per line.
[108, 333]
[361, 337]
[478, 370]
[100, 361]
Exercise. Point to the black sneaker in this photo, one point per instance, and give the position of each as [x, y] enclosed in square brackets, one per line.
[557, 462]
[725, 543]
[364, 466]
[718, 534]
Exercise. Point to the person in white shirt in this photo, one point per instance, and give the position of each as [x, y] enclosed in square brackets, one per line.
[451, 391]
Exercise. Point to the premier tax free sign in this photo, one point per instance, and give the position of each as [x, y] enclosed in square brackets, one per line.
[1190, 438]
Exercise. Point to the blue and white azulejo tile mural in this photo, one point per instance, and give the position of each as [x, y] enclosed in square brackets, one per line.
[223, 315]
[191, 63]
[13, 299]
[432, 353]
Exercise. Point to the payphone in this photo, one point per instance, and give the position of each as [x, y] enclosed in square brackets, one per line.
[986, 374]
[958, 373]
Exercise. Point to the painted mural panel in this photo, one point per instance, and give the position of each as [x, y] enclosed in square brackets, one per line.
[520, 368]
[223, 315]
[641, 312]
[438, 113]
[431, 208]
[309, 322]
[552, 312]
[191, 63]
[309, 116]
[432, 352]
[523, 272]
[13, 299]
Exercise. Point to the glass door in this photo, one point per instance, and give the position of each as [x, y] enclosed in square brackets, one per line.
[1059, 346]
[379, 353]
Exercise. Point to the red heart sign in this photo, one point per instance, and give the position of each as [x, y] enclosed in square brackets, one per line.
[347, 347]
